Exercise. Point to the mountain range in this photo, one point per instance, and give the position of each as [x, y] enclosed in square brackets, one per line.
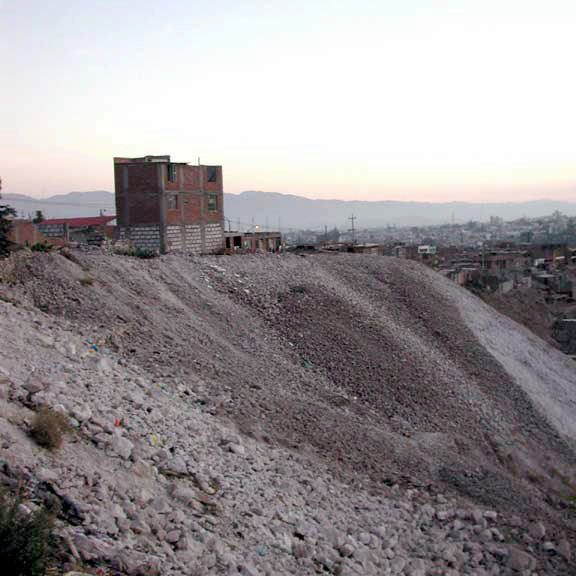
[273, 210]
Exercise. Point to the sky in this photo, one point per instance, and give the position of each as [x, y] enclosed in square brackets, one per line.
[423, 100]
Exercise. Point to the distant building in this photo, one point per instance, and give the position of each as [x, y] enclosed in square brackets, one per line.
[164, 206]
[25, 233]
[253, 242]
[92, 230]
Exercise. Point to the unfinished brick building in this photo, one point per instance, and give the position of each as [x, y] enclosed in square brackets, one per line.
[165, 206]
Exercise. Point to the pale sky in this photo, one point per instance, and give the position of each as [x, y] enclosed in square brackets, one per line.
[354, 99]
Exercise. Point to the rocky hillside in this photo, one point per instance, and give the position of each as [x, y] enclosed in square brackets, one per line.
[331, 414]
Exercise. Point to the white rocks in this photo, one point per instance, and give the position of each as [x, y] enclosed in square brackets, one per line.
[237, 449]
[122, 446]
[185, 495]
[346, 549]
[205, 495]
[47, 475]
[173, 536]
[34, 384]
[82, 413]
[443, 515]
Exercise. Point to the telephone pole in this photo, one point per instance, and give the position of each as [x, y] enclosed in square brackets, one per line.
[353, 229]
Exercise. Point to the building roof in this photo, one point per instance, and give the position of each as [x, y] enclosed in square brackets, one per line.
[79, 222]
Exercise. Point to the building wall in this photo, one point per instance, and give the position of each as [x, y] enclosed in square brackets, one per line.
[138, 193]
[143, 237]
[25, 233]
[182, 207]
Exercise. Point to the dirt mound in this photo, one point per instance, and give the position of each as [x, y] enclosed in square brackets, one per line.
[377, 369]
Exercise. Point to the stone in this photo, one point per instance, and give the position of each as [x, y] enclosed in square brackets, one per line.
[173, 536]
[82, 413]
[301, 550]
[346, 549]
[34, 385]
[176, 465]
[565, 550]
[185, 495]
[537, 530]
[122, 446]
[47, 475]
[237, 449]
[417, 567]
[520, 561]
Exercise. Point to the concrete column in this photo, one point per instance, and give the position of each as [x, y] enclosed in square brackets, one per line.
[162, 199]
[181, 195]
[202, 211]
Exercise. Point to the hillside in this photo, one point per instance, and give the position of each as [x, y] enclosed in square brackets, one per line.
[334, 414]
[299, 212]
[275, 210]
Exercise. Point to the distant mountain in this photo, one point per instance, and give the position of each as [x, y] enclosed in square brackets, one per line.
[290, 211]
[270, 209]
[71, 205]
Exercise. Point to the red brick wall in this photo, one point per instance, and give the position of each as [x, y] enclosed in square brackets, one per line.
[140, 203]
[23, 233]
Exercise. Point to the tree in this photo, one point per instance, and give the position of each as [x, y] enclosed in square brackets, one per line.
[39, 217]
[6, 213]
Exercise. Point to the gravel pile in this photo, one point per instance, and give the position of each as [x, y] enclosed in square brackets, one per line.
[330, 414]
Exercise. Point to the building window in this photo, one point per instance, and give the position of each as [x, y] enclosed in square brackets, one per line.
[212, 174]
[171, 172]
[172, 202]
[212, 201]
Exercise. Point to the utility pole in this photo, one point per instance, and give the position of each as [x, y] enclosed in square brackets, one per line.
[353, 229]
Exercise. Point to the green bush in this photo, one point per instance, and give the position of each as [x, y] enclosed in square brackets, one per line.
[41, 247]
[24, 538]
[48, 428]
[136, 252]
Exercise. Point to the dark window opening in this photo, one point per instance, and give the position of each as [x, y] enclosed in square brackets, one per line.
[172, 202]
[171, 172]
[213, 201]
[212, 174]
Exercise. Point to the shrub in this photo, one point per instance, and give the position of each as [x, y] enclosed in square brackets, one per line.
[140, 253]
[49, 427]
[24, 538]
[6, 214]
[136, 252]
[41, 247]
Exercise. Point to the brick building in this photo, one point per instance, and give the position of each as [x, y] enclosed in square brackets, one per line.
[92, 230]
[163, 205]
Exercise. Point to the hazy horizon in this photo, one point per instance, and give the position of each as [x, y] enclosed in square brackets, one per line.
[571, 200]
[423, 100]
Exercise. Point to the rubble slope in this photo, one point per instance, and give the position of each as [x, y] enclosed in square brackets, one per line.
[287, 415]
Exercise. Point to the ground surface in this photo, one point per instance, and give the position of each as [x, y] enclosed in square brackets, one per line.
[336, 414]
